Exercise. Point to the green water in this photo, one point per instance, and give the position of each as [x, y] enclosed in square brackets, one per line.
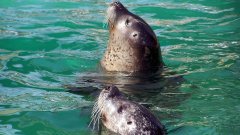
[46, 44]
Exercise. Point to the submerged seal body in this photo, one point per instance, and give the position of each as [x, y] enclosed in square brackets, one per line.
[133, 46]
[126, 117]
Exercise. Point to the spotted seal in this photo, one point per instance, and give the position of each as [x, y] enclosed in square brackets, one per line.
[133, 46]
[123, 116]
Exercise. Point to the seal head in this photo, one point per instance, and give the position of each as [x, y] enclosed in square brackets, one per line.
[133, 46]
[126, 117]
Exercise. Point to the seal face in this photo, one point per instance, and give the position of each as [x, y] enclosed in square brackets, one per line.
[126, 117]
[133, 46]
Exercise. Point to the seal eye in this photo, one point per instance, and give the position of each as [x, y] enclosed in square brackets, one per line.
[127, 22]
[134, 34]
[129, 122]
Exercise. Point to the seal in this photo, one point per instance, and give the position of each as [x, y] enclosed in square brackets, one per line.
[125, 117]
[133, 46]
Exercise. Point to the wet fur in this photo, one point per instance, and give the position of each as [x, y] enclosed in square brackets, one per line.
[123, 116]
[132, 48]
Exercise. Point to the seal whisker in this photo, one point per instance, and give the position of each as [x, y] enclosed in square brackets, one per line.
[95, 119]
[96, 113]
[93, 115]
[92, 119]
[100, 108]
[97, 116]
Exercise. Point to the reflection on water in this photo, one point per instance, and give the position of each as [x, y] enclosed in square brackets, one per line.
[46, 46]
[27, 99]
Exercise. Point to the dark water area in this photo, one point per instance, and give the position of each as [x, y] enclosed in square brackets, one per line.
[46, 45]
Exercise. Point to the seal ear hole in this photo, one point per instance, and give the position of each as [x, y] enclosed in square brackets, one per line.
[129, 122]
[127, 22]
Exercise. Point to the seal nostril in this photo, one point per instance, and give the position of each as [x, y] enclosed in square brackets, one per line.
[116, 3]
[108, 87]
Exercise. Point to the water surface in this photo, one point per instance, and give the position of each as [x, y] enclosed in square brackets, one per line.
[46, 44]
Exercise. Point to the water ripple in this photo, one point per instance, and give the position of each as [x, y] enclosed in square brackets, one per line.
[47, 44]
[28, 99]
